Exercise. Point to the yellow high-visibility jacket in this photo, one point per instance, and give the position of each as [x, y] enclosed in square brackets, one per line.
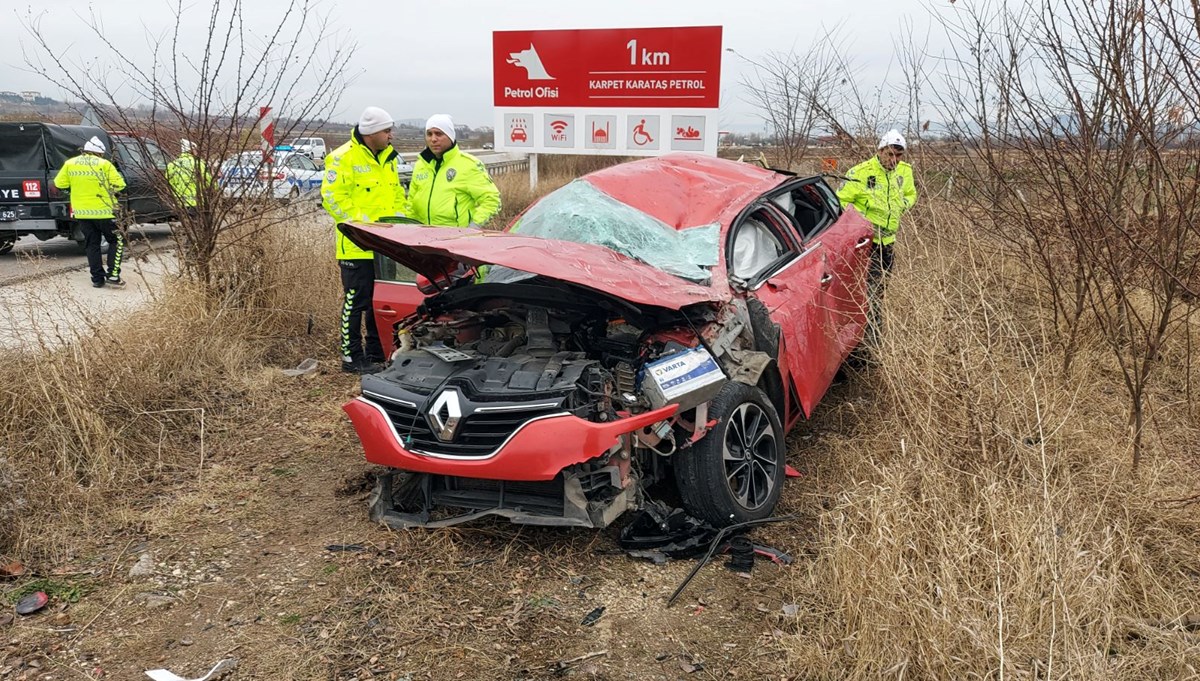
[182, 174]
[93, 182]
[453, 191]
[360, 186]
[881, 196]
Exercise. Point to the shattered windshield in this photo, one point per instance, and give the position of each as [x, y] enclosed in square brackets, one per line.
[583, 214]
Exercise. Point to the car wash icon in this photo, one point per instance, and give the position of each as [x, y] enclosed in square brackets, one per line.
[531, 62]
[517, 133]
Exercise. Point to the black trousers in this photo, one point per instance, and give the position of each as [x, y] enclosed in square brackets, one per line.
[92, 231]
[881, 261]
[358, 283]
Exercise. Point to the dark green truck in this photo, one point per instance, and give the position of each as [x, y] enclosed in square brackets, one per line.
[31, 155]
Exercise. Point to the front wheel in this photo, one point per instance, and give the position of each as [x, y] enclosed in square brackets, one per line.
[736, 472]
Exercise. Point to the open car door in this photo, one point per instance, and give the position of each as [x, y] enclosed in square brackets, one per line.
[396, 297]
[791, 279]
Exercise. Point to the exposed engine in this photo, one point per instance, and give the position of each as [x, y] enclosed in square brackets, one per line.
[522, 352]
[467, 375]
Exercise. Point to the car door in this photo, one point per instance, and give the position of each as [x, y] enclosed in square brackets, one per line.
[789, 278]
[308, 175]
[297, 172]
[846, 240]
[396, 297]
[142, 164]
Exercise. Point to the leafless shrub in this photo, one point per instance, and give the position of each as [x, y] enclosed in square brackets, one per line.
[817, 90]
[977, 521]
[12, 501]
[1081, 118]
[210, 96]
[128, 404]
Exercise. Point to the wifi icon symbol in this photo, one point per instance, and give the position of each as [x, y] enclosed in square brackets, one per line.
[558, 126]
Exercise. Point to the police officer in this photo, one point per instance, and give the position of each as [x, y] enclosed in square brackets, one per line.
[184, 174]
[450, 188]
[361, 184]
[882, 189]
[94, 182]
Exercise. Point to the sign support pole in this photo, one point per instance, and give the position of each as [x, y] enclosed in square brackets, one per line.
[267, 127]
[533, 171]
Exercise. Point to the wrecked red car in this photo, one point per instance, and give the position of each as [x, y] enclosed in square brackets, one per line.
[661, 320]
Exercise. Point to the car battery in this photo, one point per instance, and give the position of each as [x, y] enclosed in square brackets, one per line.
[688, 378]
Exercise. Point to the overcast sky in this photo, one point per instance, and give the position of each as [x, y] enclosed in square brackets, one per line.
[418, 58]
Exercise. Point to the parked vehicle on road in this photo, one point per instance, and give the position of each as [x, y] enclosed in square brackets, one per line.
[31, 154]
[289, 176]
[312, 147]
[661, 320]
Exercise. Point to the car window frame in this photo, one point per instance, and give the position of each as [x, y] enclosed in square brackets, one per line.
[781, 225]
[828, 204]
[389, 271]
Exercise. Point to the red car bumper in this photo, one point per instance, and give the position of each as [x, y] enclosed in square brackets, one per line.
[537, 451]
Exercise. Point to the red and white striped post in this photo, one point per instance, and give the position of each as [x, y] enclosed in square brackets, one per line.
[266, 123]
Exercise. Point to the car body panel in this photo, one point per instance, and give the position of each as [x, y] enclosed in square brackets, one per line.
[437, 251]
[848, 251]
[393, 301]
[796, 298]
[537, 451]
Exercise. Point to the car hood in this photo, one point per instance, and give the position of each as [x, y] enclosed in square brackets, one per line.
[435, 251]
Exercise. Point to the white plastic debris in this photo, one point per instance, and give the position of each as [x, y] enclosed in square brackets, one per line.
[220, 668]
[306, 367]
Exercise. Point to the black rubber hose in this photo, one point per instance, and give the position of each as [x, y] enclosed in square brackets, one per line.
[712, 548]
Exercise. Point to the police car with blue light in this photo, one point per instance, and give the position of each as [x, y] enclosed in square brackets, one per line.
[290, 175]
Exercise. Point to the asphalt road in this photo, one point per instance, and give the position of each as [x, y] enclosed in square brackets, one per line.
[32, 258]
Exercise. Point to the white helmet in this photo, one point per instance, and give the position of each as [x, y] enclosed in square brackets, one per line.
[94, 145]
[892, 138]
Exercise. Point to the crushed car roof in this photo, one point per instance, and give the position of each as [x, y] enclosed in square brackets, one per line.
[686, 190]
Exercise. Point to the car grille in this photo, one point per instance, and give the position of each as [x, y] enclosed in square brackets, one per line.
[542, 498]
[479, 435]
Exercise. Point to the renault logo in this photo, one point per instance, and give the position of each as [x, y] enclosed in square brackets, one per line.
[445, 414]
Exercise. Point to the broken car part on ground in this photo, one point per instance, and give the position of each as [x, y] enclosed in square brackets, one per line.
[661, 320]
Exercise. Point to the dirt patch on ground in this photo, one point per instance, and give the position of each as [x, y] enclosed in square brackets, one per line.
[265, 554]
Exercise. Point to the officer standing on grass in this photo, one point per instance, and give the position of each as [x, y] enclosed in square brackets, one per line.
[882, 189]
[94, 182]
[361, 184]
[450, 188]
[185, 174]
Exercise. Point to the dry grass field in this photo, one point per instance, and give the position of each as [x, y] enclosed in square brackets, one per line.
[966, 511]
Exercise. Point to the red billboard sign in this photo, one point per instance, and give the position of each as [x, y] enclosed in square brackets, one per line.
[620, 67]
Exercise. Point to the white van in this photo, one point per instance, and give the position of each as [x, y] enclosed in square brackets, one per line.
[312, 147]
